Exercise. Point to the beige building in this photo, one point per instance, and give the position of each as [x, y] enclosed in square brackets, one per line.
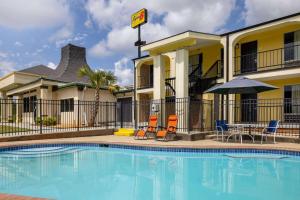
[59, 91]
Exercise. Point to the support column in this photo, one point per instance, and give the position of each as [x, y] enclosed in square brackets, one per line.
[159, 91]
[2, 105]
[9, 109]
[182, 90]
[46, 96]
[19, 108]
[159, 77]
[182, 73]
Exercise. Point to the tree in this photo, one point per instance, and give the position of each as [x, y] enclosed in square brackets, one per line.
[98, 79]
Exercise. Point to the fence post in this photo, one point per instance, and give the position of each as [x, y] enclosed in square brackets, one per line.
[162, 112]
[121, 113]
[106, 115]
[211, 115]
[78, 115]
[115, 103]
[188, 115]
[41, 117]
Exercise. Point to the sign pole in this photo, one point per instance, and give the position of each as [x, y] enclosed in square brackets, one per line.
[137, 19]
[139, 39]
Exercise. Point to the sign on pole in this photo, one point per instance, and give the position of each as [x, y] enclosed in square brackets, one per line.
[139, 18]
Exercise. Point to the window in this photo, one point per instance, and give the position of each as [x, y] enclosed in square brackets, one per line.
[292, 99]
[29, 104]
[67, 105]
[292, 46]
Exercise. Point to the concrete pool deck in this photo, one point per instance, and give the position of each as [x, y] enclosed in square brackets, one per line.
[123, 140]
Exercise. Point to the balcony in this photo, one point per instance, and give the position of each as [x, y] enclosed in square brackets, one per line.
[281, 58]
[144, 82]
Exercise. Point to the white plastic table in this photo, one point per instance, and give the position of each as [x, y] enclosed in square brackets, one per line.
[238, 129]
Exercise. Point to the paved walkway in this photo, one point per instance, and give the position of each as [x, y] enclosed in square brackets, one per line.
[111, 139]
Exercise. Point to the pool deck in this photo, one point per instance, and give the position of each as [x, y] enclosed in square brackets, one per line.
[122, 140]
[17, 197]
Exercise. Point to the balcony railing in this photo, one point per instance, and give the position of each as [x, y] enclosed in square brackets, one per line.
[286, 57]
[144, 82]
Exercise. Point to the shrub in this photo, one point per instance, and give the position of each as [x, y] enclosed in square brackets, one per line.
[47, 121]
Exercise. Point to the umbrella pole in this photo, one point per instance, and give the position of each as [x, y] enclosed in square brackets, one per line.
[227, 108]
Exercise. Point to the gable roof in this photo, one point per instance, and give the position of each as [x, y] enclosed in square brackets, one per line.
[39, 70]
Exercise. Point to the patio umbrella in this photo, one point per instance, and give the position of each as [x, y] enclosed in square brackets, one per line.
[241, 85]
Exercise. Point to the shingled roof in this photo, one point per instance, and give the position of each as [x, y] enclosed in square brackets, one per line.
[39, 70]
[72, 59]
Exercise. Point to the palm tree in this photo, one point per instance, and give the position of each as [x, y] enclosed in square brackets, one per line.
[98, 79]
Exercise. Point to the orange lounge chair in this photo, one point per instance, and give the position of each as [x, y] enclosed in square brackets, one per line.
[151, 128]
[171, 129]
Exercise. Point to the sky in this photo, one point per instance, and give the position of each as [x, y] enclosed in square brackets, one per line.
[33, 32]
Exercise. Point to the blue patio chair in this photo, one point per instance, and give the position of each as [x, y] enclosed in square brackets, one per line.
[221, 128]
[271, 129]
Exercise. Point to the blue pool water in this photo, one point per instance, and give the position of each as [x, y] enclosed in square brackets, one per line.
[82, 172]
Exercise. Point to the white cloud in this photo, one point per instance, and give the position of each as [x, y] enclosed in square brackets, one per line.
[124, 72]
[88, 23]
[62, 33]
[79, 38]
[20, 14]
[257, 10]
[6, 67]
[100, 50]
[3, 55]
[205, 16]
[52, 65]
[18, 44]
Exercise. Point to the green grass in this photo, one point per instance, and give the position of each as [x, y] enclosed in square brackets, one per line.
[11, 129]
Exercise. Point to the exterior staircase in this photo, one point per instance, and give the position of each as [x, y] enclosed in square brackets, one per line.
[198, 83]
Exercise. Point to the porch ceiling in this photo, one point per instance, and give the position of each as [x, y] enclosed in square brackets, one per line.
[183, 40]
[33, 85]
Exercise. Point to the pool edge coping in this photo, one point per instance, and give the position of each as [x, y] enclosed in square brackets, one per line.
[164, 146]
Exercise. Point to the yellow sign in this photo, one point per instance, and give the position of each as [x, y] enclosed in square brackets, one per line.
[139, 18]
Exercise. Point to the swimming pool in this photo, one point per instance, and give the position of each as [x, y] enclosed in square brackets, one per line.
[93, 171]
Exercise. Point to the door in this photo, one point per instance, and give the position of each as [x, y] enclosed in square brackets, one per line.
[220, 70]
[249, 107]
[249, 57]
[124, 111]
[151, 75]
[195, 62]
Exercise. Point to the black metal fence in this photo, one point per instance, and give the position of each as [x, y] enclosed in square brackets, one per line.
[193, 114]
[261, 111]
[36, 116]
[289, 56]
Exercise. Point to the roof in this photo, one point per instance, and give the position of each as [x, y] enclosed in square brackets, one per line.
[182, 39]
[39, 70]
[261, 24]
[72, 59]
[226, 33]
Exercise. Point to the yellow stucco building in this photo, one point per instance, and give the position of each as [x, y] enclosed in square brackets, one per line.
[187, 64]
